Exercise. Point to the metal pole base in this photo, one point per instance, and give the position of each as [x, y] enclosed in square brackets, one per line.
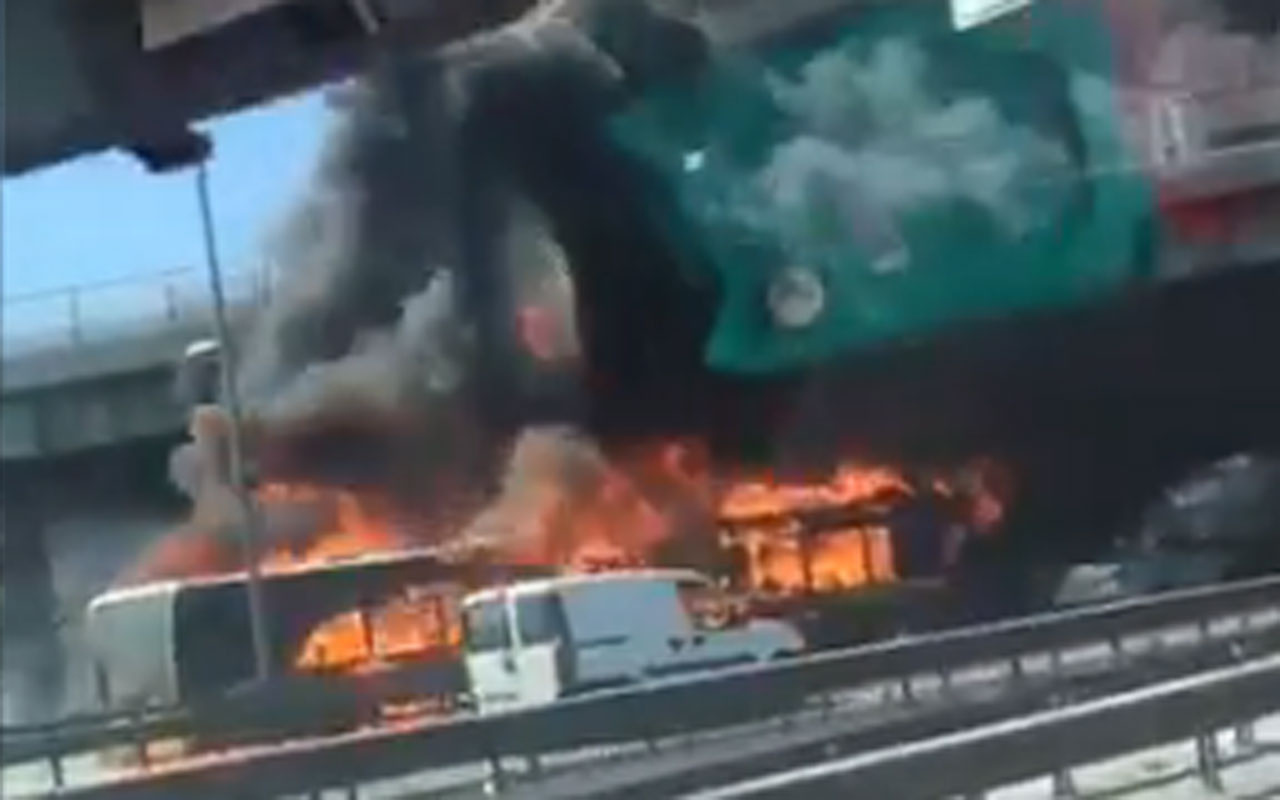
[1064, 786]
[1208, 761]
[1246, 736]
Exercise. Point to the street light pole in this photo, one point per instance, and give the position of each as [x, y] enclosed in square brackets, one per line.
[250, 527]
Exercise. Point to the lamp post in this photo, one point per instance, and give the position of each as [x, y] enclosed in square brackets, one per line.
[250, 527]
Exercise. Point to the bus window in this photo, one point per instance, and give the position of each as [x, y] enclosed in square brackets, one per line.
[211, 647]
[415, 623]
[486, 626]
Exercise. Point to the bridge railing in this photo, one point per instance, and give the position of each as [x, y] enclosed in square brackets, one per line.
[999, 754]
[75, 316]
[650, 713]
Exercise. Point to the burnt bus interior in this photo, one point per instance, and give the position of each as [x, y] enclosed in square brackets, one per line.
[326, 618]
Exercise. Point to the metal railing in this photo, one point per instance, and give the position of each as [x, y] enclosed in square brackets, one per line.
[1006, 752]
[657, 710]
[75, 316]
[288, 707]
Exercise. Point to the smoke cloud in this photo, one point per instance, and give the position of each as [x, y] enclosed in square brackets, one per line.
[403, 267]
[422, 282]
[880, 141]
[559, 495]
[562, 500]
[358, 256]
[421, 359]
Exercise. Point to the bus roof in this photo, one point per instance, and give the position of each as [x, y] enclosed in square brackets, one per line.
[371, 560]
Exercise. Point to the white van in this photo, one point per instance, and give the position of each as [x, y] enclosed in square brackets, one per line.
[533, 642]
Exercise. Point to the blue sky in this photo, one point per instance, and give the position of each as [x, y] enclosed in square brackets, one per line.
[104, 217]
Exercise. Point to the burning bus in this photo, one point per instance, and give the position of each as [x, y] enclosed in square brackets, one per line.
[391, 616]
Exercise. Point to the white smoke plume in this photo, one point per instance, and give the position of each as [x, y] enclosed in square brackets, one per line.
[879, 142]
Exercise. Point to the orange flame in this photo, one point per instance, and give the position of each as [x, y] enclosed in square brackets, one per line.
[355, 529]
[783, 558]
[415, 626]
[611, 525]
[850, 484]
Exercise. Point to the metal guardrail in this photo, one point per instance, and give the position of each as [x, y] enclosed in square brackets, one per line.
[664, 708]
[294, 706]
[74, 316]
[885, 716]
[1039, 744]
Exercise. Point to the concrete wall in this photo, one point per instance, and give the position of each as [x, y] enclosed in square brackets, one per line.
[71, 527]
[56, 420]
[112, 389]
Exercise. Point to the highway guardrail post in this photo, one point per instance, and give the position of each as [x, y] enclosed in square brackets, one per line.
[1118, 653]
[908, 689]
[140, 741]
[1208, 761]
[1064, 785]
[1018, 670]
[497, 779]
[648, 728]
[55, 767]
[1246, 737]
[533, 763]
[828, 701]
[948, 683]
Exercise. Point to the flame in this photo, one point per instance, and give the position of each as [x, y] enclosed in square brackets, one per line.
[355, 529]
[631, 513]
[850, 484]
[411, 626]
[565, 505]
[613, 524]
[782, 557]
[415, 626]
[839, 561]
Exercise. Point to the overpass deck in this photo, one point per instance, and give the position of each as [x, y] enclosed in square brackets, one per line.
[93, 365]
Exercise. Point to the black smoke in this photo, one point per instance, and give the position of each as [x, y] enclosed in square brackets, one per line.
[1257, 17]
[399, 280]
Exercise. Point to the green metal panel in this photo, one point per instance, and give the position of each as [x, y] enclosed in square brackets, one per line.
[918, 176]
